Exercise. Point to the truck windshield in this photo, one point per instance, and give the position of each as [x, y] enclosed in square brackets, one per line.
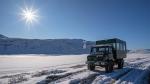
[101, 50]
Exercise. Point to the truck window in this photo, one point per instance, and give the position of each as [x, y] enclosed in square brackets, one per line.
[121, 47]
[124, 47]
[101, 49]
[107, 50]
[118, 46]
[114, 45]
[93, 50]
[110, 50]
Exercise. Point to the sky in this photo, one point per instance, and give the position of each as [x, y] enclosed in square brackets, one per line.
[91, 20]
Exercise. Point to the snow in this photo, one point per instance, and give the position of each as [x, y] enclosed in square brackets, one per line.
[70, 69]
[137, 64]
[43, 46]
[23, 63]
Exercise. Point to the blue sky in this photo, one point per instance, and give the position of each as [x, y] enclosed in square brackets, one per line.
[86, 19]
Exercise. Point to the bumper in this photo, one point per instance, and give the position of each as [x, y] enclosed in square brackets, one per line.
[99, 63]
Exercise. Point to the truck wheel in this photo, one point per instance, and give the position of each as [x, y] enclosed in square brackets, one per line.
[109, 67]
[106, 69]
[120, 64]
[91, 66]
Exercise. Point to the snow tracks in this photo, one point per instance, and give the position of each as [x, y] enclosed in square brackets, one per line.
[135, 72]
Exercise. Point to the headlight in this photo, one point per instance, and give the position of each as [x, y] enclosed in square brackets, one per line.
[91, 58]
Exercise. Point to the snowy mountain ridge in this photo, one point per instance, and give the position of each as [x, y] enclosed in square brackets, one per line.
[43, 46]
[140, 51]
[3, 37]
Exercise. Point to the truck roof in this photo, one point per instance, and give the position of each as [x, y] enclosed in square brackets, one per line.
[105, 45]
[107, 41]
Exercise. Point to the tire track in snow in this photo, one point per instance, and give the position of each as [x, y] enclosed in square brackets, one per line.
[87, 79]
[136, 73]
[53, 79]
[111, 78]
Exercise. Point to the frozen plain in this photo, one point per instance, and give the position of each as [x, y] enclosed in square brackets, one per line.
[70, 69]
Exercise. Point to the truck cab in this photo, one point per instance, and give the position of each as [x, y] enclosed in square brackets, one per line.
[107, 53]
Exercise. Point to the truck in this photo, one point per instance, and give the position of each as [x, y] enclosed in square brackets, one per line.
[107, 53]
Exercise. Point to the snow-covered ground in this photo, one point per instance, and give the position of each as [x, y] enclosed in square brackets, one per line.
[70, 69]
[23, 63]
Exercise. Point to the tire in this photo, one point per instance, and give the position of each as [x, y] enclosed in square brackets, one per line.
[109, 67]
[120, 64]
[106, 68]
[91, 66]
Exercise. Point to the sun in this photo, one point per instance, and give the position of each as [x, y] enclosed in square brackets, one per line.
[30, 15]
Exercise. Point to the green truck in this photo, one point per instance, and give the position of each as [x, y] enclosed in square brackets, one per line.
[107, 53]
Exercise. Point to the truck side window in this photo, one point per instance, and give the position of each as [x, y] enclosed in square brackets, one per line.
[114, 45]
[118, 46]
[94, 50]
[110, 50]
[124, 47]
[107, 50]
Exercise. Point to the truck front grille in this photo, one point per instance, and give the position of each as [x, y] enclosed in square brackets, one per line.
[100, 58]
[91, 58]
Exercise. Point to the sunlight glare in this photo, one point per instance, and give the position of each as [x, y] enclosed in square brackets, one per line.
[29, 15]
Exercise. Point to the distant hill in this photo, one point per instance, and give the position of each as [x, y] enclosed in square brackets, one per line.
[43, 46]
[3, 37]
[142, 51]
